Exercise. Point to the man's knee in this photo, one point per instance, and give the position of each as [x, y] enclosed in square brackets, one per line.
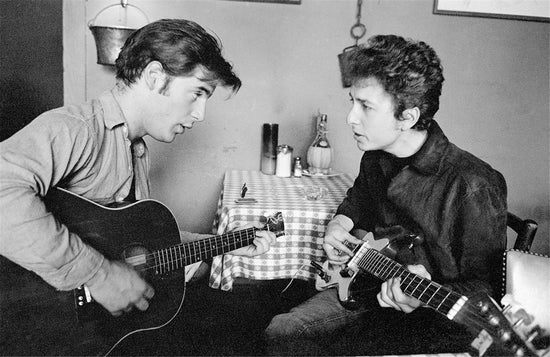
[284, 326]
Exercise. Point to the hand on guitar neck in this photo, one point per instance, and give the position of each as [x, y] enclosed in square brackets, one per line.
[391, 295]
[142, 249]
[339, 245]
[492, 328]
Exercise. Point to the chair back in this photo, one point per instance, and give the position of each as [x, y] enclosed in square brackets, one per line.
[525, 230]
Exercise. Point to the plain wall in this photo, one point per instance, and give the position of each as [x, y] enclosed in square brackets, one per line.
[495, 100]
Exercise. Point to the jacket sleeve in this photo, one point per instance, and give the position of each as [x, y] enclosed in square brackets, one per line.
[480, 239]
[34, 159]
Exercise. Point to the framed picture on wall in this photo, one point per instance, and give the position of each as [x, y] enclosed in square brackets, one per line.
[296, 2]
[528, 10]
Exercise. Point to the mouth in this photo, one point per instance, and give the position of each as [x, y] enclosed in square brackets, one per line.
[180, 129]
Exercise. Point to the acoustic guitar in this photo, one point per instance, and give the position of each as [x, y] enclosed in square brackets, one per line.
[36, 319]
[493, 329]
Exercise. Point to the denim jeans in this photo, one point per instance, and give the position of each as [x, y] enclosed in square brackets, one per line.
[321, 326]
[305, 328]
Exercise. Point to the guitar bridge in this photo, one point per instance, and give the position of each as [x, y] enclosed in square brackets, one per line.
[320, 271]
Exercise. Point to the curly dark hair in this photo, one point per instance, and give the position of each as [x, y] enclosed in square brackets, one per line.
[181, 46]
[410, 71]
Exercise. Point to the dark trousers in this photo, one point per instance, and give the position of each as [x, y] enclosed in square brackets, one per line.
[216, 323]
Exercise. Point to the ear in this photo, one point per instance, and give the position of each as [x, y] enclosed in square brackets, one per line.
[409, 117]
[154, 75]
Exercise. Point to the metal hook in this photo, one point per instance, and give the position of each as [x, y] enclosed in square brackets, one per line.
[358, 30]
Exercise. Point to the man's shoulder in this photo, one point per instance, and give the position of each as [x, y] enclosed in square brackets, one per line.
[471, 169]
[73, 116]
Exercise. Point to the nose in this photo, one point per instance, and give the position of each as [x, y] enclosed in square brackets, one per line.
[352, 117]
[199, 111]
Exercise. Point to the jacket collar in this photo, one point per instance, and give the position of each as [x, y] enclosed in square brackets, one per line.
[429, 158]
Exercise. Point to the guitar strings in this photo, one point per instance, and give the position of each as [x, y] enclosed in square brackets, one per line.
[468, 313]
[153, 327]
[232, 240]
[164, 261]
[383, 263]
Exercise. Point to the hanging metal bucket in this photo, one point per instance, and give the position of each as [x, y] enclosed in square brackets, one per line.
[110, 39]
[343, 60]
[357, 31]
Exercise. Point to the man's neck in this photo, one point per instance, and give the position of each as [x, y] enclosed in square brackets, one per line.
[127, 98]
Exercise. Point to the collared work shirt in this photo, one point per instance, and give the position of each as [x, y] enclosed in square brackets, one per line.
[455, 200]
[84, 149]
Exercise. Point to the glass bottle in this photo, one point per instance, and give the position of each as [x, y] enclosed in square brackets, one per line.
[319, 154]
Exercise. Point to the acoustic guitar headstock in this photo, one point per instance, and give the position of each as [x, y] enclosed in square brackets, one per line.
[275, 223]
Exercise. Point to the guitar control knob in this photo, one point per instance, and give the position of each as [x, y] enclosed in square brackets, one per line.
[483, 307]
[506, 336]
[494, 320]
[520, 352]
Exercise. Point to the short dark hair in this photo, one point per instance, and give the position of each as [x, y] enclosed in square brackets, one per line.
[181, 46]
[410, 71]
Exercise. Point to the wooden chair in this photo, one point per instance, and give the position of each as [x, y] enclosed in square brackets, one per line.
[525, 230]
[526, 287]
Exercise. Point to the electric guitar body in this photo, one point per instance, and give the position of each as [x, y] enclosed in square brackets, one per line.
[493, 329]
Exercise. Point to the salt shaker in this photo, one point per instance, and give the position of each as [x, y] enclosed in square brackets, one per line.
[297, 167]
[284, 161]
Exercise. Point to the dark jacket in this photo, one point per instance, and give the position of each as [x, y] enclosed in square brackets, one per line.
[457, 201]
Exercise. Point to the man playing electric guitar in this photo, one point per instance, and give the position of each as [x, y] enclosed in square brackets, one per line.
[410, 175]
[165, 73]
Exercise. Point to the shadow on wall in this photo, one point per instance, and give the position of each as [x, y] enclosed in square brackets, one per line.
[20, 103]
[31, 61]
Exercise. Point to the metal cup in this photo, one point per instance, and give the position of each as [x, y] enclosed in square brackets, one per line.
[270, 137]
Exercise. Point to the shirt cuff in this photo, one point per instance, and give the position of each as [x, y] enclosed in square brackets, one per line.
[76, 273]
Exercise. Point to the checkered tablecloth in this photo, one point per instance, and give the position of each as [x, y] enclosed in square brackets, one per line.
[305, 223]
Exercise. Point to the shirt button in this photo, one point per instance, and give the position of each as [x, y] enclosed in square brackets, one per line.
[139, 149]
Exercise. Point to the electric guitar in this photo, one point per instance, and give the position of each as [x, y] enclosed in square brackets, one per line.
[36, 319]
[479, 313]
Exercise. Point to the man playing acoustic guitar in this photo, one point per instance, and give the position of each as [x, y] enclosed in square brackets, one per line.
[165, 73]
[410, 177]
